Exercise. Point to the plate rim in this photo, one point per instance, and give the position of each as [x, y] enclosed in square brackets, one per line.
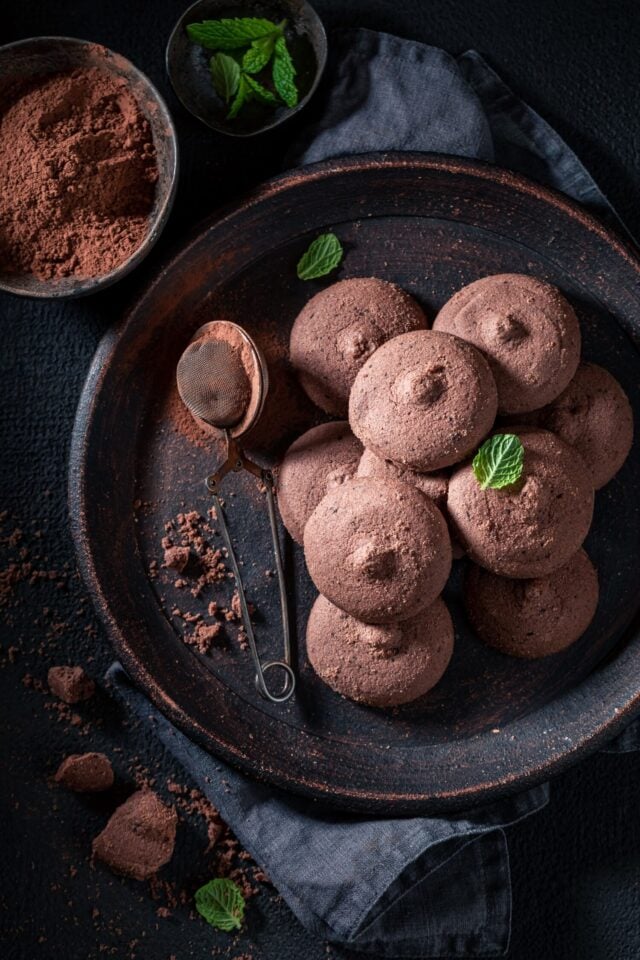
[615, 711]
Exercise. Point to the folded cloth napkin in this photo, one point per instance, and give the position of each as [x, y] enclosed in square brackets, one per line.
[420, 887]
[423, 887]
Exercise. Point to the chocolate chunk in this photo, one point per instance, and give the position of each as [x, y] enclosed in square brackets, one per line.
[85, 772]
[70, 684]
[139, 838]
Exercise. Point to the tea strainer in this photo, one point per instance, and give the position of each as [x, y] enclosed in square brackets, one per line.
[217, 388]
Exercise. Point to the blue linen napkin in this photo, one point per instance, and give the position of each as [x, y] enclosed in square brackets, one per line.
[419, 887]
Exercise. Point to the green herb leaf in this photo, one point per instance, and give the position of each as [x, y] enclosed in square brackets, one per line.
[221, 904]
[225, 74]
[323, 256]
[259, 54]
[230, 34]
[243, 94]
[284, 73]
[499, 461]
[261, 93]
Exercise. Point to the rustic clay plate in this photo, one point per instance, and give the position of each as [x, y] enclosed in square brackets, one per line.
[494, 724]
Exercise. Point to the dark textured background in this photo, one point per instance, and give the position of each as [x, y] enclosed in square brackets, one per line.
[575, 866]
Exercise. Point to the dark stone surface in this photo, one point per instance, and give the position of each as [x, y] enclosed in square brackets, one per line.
[576, 866]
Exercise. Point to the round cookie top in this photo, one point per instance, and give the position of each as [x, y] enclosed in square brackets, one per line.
[527, 330]
[433, 485]
[537, 617]
[319, 459]
[533, 527]
[378, 549]
[593, 415]
[338, 330]
[382, 665]
[425, 400]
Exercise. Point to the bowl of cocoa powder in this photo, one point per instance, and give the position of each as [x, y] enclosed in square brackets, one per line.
[88, 167]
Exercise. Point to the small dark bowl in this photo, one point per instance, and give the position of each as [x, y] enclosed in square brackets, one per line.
[25, 60]
[188, 63]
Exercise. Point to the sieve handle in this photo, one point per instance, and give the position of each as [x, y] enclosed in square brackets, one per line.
[283, 665]
[235, 461]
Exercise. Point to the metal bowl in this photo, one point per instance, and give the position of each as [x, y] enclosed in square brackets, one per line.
[188, 63]
[26, 60]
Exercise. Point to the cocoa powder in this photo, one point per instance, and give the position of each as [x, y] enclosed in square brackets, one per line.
[78, 168]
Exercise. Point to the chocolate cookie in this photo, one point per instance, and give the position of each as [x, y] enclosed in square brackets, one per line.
[533, 618]
[594, 416]
[339, 329]
[526, 329]
[533, 527]
[382, 665]
[378, 549]
[424, 400]
[321, 458]
[433, 485]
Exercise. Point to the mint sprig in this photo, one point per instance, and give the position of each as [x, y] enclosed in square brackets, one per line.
[259, 92]
[243, 93]
[232, 34]
[284, 73]
[259, 53]
[221, 903]
[225, 74]
[321, 257]
[499, 462]
[244, 76]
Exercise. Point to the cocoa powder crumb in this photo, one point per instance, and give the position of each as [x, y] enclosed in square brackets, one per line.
[203, 636]
[176, 558]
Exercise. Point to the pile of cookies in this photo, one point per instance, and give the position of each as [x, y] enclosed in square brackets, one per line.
[382, 502]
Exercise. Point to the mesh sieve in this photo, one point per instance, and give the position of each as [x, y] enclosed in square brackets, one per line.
[213, 383]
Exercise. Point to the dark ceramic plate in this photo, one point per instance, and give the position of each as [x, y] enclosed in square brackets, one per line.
[494, 724]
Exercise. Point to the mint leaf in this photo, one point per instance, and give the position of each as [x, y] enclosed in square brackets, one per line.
[259, 54]
[243, 94]
[499, 461]
[322, 256]
[259, 92]
[230, 34]
[221, 904]
[225, 74]
[284, 73]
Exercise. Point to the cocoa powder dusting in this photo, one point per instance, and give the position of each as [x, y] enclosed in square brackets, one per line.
[78, 169]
